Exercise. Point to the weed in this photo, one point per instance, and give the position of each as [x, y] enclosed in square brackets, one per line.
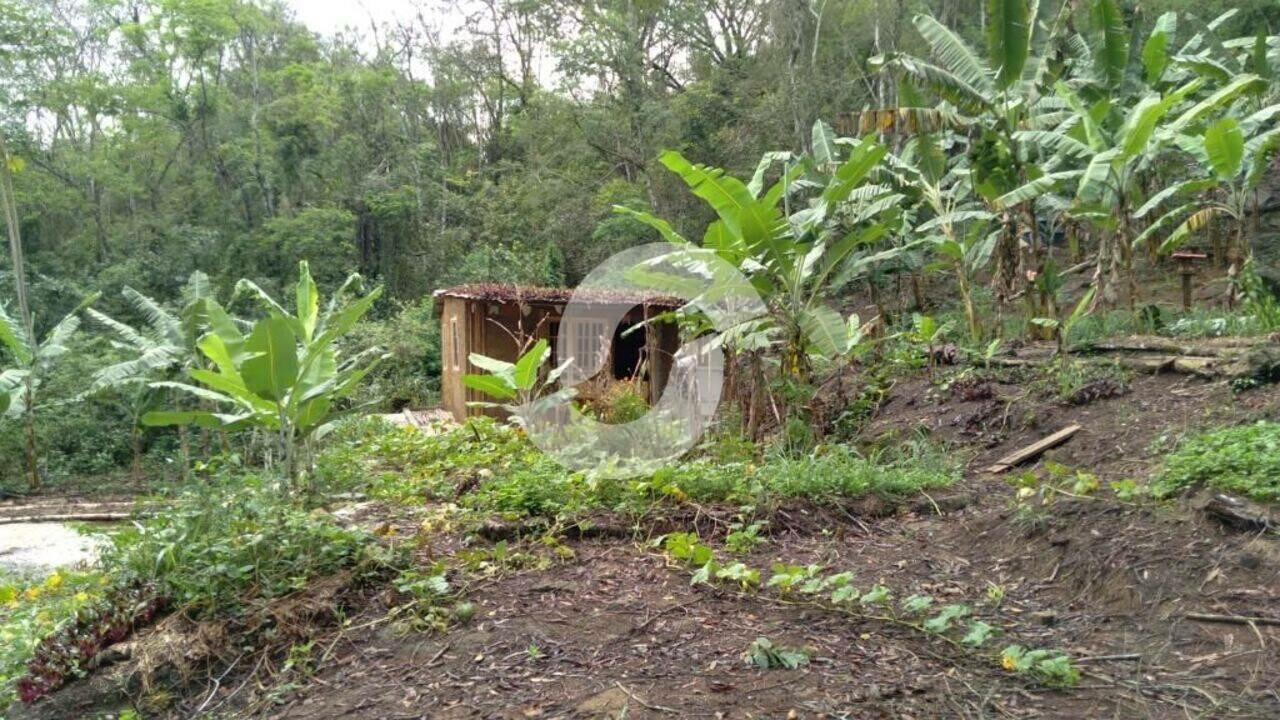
[765, 655]
[1128, 489]
[744, 538]
[217, 545]
[491, 468]
[32, 609]
[1049, 667]
[1243, 460]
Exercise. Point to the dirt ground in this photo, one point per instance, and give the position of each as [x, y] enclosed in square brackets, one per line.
[613, 629]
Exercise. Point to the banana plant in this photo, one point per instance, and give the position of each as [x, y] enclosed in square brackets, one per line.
[517, 386]
[162, 349]
[287, 376]
[1004, 92]
[32, 358]
[799, 240]
[1062, 327]
[952, 219]
[1111, 151]
[930, 333]
[1233, 158]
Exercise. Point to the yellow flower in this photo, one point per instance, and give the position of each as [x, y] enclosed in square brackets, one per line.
[82, 597]
[53, 582]
[32, 593]
[1008, 663]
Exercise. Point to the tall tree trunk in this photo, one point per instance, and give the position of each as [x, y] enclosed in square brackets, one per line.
[24, 308]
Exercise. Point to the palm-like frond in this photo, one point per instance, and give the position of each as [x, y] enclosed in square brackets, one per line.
[161, 321]
[55, 343]
[139, 369]
[955, 55]
[14, 338]
[1112, 56]
[1009, 39]
[129, 336]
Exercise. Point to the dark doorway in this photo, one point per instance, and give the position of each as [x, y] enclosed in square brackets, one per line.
[628, 351]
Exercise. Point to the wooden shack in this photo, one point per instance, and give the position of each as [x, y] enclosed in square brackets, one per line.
[494, 320]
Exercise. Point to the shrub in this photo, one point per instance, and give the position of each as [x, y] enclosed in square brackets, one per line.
[410, 377]
[622, 402]
[1243, 460]
[33, 609]
[238, 538]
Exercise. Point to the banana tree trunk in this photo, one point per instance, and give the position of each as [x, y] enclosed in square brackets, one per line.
[970, 313]
[135, 469]
[1236, 255]
[185, 444]
[29, 417]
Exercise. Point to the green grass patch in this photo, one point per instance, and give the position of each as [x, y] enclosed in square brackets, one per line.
[1244, 460]
[492, 468]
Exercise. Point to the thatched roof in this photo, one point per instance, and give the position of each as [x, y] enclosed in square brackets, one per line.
[555, 296]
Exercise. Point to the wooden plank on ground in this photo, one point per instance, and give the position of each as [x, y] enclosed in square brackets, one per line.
[1034, 450]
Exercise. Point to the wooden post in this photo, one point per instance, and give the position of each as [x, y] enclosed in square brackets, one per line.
[1186, 267]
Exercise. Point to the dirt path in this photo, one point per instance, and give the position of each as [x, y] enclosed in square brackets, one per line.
[619, 632]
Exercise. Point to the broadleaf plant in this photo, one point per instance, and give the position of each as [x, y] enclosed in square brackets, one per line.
[286, 377]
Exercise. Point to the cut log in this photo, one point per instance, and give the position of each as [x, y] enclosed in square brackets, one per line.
[1151, 365]
[1033, 450]
[1238, 513]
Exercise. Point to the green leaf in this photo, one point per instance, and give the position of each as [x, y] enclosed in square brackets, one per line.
[1008, 39]
[1035, 188]
[1140, 125]
[1112, 55]
[756, 185]
[1224, 146]
[955, 55]
[731, 200]
[273, 369]
[494, 366]
[1220, 98]
[526, 369]
[232, 387]
[161, 418]
[824, 144]
[978, 634]
[491, 385]
[862, 159]
[14, 338]
[825, 331]
[308, 301]
[662, 226]
[1155, 53]
[1259, 64]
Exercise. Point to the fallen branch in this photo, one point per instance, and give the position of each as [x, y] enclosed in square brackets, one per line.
[1126, 657]
[1232, 619]
[70, 517]
[1034, 450]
